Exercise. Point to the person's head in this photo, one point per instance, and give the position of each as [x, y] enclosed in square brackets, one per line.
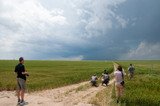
[21, 60]
[105, 71]
[130, 64]
[119, 68]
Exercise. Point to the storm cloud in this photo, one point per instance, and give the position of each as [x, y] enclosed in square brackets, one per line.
[79, 30]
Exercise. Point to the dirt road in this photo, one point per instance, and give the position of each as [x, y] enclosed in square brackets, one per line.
[72, 95]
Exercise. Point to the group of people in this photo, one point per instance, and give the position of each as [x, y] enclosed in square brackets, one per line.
[119, 79]
[104, 78]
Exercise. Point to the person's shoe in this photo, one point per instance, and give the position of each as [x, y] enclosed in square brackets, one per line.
[19, 101]
[117, 101]
[22, 102]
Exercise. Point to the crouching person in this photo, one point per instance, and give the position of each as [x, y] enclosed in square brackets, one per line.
[94, 80]
[105, 78]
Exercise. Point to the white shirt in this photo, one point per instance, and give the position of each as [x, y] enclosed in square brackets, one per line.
[93, 78]
[118, 76]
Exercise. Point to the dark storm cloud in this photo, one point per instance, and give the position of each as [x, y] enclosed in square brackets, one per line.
[80, 30]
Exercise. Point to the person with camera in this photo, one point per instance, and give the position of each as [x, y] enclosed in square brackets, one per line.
[105, 78]
[21, 80]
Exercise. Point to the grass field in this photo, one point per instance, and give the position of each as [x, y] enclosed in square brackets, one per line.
[51, 74]
[144, 89]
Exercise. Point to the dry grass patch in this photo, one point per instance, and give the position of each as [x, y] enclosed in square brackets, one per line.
[103, 98]
[83, 87]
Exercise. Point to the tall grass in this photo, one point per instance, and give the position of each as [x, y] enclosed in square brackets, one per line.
[51, 74]
[144, 88]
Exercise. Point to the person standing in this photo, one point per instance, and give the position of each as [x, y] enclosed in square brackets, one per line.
[21, 80]
[119, 82]
[131, 71]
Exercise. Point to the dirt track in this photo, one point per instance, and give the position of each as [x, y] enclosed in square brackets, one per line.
[64, 96]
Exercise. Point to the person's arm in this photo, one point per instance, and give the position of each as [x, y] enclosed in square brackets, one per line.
[24, 72]
[108, 77]
[124, 72]
[96, 77]
[133, 68]
[115, 76]
[128, 68]
[101, 77]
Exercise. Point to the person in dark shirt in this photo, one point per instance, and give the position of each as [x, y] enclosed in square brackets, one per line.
[131, 70]
[21, 80]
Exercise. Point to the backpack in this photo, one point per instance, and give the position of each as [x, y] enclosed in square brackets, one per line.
[131, 69]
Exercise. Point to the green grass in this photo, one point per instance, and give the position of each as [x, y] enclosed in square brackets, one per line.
[144, 89]
[51, 74]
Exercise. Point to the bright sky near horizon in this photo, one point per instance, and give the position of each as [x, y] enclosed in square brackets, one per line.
[80, 29]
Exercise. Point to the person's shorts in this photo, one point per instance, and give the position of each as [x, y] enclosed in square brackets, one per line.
[118, 84]
[131, 73]
[21, 84]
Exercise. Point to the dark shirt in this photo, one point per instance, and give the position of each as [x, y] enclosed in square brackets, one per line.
[131, 69]
[19, 69]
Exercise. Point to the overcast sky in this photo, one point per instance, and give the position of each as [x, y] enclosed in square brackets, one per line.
[80, 29]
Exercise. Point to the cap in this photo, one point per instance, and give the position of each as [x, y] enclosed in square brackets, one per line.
[21, 59]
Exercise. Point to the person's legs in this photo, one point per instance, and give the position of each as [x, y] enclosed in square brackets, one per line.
[132, 74]
[18, 90]
[102, 81]
[18, 94]
[121, 90]
[94, 83]
[118, 91]
[22, 95]
[106, 81]
[22, 84]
